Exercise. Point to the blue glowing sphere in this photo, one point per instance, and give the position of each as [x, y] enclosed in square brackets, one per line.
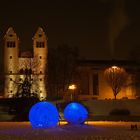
[75, 113]
[43, 115]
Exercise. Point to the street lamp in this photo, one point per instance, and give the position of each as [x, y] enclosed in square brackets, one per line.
[72, 88]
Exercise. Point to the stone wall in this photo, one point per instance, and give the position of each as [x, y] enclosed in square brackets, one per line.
[104, 107]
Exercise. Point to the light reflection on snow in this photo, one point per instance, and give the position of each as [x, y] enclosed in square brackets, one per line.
[94, 130]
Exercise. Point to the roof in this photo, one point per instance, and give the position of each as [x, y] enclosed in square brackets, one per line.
[26, 54]
[107, 63]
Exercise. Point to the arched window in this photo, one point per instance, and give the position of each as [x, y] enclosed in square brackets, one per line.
[11, 44]
[40, 44]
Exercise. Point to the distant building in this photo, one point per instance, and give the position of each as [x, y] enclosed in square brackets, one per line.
[93, 85]
[17, 64]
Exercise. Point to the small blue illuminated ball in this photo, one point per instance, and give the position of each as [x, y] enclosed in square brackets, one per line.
[43, 115]
[75, 113]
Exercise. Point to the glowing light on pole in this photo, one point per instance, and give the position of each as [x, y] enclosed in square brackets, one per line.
[72, 87]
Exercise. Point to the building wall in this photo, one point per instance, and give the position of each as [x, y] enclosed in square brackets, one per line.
[102, 88]
[106, 92]
[11, 53]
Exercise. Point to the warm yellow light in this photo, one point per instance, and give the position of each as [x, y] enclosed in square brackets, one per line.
[114, 67]
[72, 87]
[62, 122]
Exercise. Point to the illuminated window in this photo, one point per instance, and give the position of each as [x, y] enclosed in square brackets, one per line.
[10, 57]
[40, 44]
[11, 44]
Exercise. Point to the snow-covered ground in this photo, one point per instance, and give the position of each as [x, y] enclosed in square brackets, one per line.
[91, 131]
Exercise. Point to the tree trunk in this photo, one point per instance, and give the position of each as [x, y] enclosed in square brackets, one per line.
[115, 96]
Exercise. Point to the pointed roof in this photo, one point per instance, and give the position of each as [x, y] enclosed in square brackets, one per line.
[10, 32]
[40, 30]
[39, 33]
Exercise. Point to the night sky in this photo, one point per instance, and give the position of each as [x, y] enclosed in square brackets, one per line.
[102, 29]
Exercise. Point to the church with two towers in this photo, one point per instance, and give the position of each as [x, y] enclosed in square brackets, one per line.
[20, 67]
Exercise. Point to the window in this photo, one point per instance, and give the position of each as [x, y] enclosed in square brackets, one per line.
[10, 57]
[11, 91]
[10, 71]
[11, 44]
[95, 84]
[40, 35]
[40, 57]
[40, 72]
[20, 79]
[40, 79]
[40, 44]
[10, 35]
[11, 79]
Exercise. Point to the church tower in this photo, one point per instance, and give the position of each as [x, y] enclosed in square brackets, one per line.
[11, 53]
[40, 54]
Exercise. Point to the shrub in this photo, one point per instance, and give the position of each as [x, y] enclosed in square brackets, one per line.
[120, 112]
[20, 107]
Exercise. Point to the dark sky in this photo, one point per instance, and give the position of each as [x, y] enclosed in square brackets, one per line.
[102, 29]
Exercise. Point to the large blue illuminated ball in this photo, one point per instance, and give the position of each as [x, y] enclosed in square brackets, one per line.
[75, 113]
[43, 115]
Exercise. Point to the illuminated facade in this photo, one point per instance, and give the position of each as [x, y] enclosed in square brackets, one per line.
[93, 85]
[20, 65]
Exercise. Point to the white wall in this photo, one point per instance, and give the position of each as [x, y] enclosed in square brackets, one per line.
[104, 107]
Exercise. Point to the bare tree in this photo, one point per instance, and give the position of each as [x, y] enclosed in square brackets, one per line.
[116, 78]
[61, 69]
[26, 77]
